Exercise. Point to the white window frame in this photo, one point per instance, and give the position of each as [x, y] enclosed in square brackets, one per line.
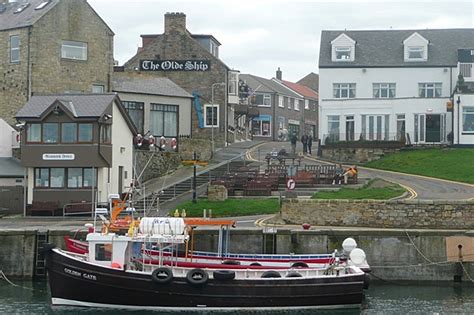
[297, 104]
[467, 110]
[344, 49]
[266, 99]
[74, 46]
[15, 49]
[386, 87]
[233, 81]
[280, 102]
[334, 119]
[432, 86]
[95, 88]
[344, 87]
[413, 49]
[206, 106]
[306, 104]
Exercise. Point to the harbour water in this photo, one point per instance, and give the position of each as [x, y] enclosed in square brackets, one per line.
[441, 298]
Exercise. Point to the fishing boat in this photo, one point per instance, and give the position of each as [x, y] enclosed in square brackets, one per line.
[97, 279]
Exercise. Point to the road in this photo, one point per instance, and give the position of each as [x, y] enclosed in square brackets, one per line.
[423, 188]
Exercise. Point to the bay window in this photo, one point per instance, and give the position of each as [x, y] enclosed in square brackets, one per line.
[468, 119]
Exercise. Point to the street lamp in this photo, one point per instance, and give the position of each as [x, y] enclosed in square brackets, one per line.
[212, 113]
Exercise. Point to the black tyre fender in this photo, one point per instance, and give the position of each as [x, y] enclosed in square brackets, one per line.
[231, 262]
[255, 264]
[299, 264]
[293, 274]
[197, 277]
[271, 274]
[223, 275]
[162, 275]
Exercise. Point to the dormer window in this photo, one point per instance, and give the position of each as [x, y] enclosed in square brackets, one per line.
[415, 48]
[343, 53]
[343, 49]
[415, 53]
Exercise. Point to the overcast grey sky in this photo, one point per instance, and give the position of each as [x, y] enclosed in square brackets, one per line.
[257, 36]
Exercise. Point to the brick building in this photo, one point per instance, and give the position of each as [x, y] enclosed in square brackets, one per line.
[192, 62]
[51, 46]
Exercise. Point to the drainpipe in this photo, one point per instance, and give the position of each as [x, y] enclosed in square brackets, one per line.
[452, 102]
[28, 78]
[226, 96]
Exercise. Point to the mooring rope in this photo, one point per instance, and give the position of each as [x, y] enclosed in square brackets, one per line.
[419, 251]
[4, 277]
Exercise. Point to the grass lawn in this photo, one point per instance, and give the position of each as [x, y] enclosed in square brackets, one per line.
[230, 207]
[375, 189]
[452, 164]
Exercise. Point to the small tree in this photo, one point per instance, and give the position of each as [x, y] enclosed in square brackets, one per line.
[460, 83]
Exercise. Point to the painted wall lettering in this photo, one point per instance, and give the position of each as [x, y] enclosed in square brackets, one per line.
[175, 65]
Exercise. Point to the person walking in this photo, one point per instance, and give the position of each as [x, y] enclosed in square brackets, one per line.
[310, 143]
[304, 140]
[293, 141]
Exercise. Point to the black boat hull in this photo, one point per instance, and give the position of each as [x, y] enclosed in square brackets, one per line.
[78, 283]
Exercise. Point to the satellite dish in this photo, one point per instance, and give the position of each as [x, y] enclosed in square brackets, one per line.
[357, 256]
[349, 245]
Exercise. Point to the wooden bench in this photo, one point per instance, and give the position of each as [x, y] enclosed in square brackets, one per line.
[77, 207]
[42, 206]
[257, 188]
[304, 178]
[327, 173]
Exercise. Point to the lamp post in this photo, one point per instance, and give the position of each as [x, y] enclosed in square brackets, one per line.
[212, 113]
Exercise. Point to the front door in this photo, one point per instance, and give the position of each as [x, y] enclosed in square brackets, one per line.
[433, 128]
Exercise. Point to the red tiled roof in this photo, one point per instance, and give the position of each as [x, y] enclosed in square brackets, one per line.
[301, 89]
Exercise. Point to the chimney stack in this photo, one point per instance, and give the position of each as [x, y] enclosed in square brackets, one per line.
[278, 73]
[175, 22]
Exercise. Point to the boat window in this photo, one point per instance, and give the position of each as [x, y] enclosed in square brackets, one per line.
[102, 252]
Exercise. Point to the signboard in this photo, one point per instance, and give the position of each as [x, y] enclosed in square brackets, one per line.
[175, 65]
[59, 156]
[290, 184]
[293, 122]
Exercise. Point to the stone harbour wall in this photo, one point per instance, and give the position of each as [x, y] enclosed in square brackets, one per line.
[380, 214]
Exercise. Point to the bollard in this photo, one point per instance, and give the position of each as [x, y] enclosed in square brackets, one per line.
[459, 268]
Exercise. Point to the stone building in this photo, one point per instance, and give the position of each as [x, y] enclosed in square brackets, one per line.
[51, 46]
[192, 62]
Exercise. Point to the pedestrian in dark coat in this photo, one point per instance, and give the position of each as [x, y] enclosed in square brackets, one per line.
[304, 140]
[293, 140]
[310, 144]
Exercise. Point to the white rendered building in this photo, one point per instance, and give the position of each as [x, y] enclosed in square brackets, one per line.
[386, 85]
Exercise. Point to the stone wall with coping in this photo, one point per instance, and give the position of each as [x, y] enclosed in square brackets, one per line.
[354, 155]
[440, 214]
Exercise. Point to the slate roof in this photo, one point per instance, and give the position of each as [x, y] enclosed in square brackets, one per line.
[384, 48]
[262, 85]
[301, 89]
[147, 85]
[29, 16]
[10, 167]
[84, 105]
[9, 19]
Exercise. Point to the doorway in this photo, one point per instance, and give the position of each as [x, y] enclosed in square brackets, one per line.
[433, 128]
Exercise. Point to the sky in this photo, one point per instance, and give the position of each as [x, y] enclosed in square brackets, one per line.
[258, 36]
